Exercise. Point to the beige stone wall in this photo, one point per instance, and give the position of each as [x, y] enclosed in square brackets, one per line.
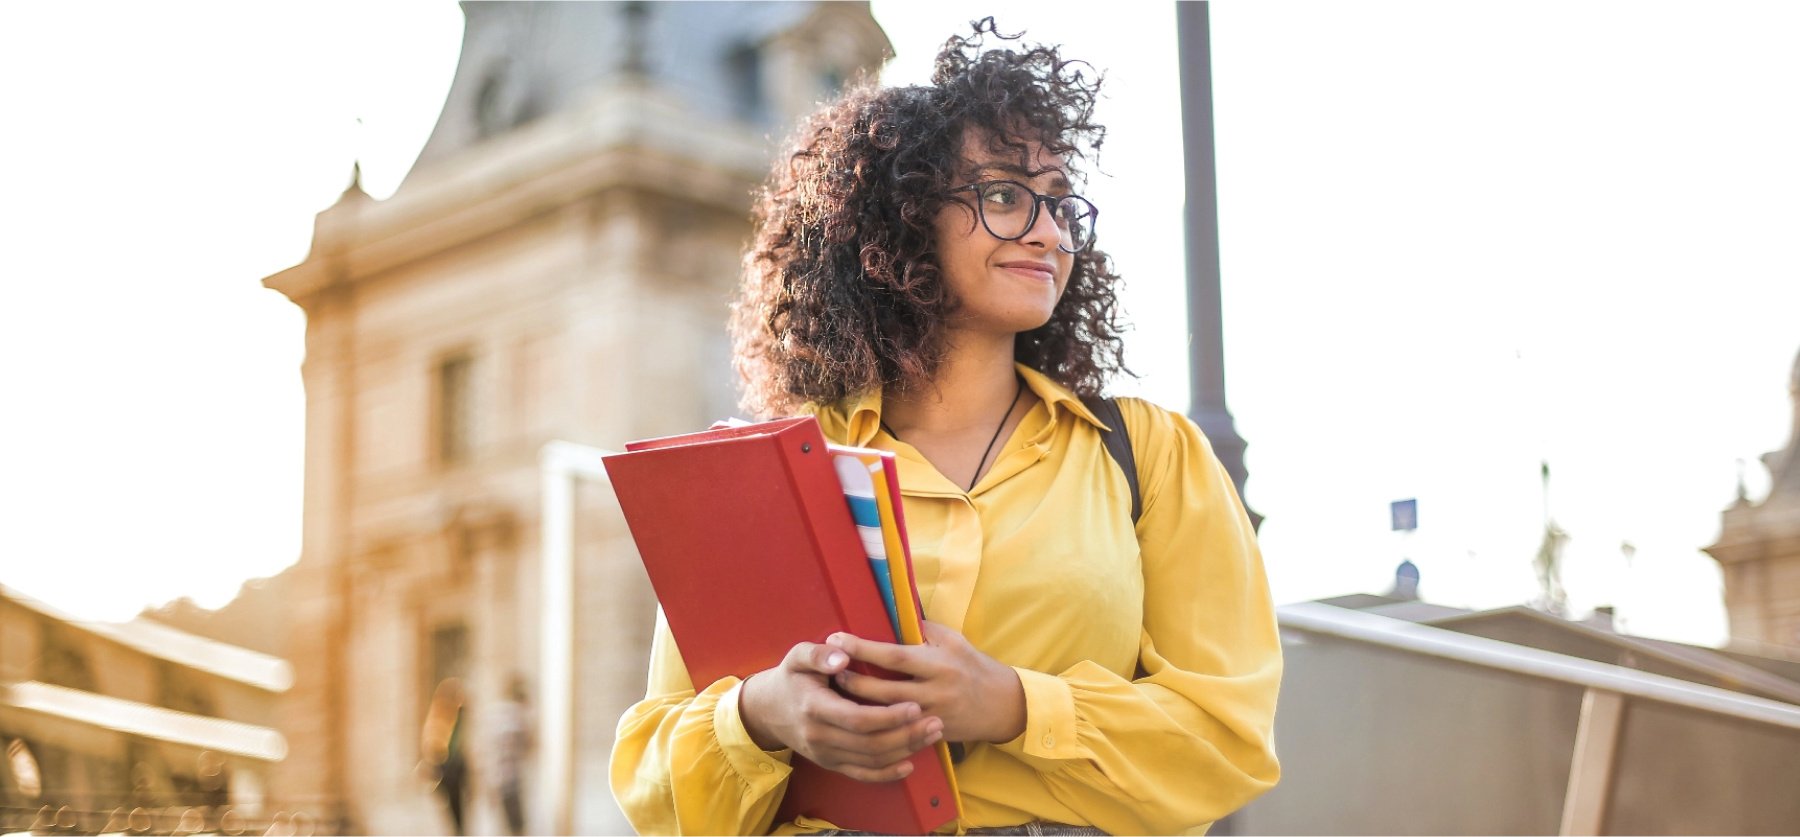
[1781, 620]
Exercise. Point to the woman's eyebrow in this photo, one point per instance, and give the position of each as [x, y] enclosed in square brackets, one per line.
[1061, 181]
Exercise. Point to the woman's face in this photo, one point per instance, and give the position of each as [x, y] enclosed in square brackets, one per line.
[1003, 287]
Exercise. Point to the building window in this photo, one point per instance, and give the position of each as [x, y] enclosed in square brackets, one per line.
[182, 689]
[61, 661]
[455, 409]
[744, 66]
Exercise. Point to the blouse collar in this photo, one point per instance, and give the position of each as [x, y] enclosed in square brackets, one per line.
[857, 418]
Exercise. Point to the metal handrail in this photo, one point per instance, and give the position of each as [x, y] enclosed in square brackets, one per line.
[1326, 620]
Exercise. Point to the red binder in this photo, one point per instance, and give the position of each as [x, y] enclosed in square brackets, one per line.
[748, 541]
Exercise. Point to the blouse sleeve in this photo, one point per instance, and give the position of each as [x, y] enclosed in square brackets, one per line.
[683, 762]
[1191, 738]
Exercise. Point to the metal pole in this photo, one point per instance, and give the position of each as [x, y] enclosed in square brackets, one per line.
[1206, 361]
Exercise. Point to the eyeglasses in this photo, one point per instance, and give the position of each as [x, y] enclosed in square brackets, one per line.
[1008, 209]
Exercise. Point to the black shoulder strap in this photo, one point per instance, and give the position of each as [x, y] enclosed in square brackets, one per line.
[1118, 443]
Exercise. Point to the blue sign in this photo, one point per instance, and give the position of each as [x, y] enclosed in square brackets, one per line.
[1406, 515]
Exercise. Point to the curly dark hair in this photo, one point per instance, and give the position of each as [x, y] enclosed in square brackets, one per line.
[842, 289]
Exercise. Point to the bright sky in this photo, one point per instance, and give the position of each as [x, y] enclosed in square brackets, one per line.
[1458, 239]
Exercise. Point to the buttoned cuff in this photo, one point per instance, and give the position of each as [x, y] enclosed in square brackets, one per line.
[761, 769]
[1049, 737]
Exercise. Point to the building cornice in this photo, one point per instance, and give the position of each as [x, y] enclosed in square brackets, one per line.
[1753, 532]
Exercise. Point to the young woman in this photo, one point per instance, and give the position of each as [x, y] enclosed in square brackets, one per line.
[923, 279]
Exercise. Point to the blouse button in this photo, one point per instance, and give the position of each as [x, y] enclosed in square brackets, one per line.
[766, 769]
[1049, 741]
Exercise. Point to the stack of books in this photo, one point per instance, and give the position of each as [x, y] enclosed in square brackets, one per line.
[757, 537]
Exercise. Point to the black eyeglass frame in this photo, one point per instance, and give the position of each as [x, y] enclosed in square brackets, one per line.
[1037, 200]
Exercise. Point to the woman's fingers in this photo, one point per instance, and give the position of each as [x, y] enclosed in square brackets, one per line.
[891, 773]
[815, 658]
[836, 711]
[837, 747]
[905, 659]
[877, 689]
[979, 698]
[793, 705]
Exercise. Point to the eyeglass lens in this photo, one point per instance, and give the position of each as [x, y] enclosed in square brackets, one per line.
[1009, 209]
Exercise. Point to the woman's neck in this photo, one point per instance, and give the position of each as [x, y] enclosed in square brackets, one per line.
[971, 390]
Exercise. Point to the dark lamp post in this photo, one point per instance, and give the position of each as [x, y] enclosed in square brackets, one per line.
[1206, 362]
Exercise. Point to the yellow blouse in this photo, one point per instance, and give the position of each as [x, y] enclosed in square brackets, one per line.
[1040, 568]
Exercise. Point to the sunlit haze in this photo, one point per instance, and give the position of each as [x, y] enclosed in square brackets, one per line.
[1458, 240]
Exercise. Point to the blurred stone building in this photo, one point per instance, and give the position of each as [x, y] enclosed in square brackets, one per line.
[1759, 551]
[556, 267]
[115, 726]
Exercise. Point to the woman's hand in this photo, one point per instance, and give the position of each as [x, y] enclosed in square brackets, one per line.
[978, 697]
[793, 705]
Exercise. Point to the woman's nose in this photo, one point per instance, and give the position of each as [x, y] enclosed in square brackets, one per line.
[1044, 232]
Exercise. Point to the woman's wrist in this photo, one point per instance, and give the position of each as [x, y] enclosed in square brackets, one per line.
[750, 712]
[1009, 711]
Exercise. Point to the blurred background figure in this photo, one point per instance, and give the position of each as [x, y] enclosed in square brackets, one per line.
[509, 742]
[442, 746]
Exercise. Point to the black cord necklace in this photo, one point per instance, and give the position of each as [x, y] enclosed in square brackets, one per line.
[1003, 417]
[996, 437]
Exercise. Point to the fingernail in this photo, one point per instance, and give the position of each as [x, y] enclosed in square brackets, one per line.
[935, 736]
[905, 769]
[835, 640]
[835, 660]
[936, 726]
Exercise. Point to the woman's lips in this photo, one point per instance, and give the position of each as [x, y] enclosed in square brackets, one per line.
[1034, 270]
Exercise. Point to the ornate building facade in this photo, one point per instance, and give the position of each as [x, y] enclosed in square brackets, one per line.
[556, 267]
[1759, 551]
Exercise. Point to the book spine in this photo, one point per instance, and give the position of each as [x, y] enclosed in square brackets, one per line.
[859, 472]
[835, 541]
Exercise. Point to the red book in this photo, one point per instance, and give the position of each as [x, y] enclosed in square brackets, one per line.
[748, 541]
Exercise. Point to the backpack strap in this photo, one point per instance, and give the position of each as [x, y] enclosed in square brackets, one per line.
[1118, 443]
